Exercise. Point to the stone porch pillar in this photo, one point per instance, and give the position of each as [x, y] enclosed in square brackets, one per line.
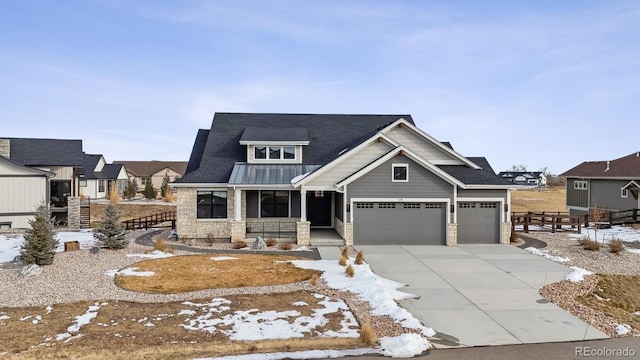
[348, 234]
[303, 232]
[238, 230]
[73, 212]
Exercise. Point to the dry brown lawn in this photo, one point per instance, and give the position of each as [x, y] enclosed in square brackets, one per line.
[624, 294]
[119, 331]
[551, 198]
[198, 272]
[130, 211]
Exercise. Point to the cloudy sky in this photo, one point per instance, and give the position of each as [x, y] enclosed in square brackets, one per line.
[540, 83]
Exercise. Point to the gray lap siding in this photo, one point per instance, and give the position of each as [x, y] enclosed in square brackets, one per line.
[606, 194]
[378, 183]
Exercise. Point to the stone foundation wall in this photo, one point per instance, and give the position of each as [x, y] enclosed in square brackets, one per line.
[452, 234]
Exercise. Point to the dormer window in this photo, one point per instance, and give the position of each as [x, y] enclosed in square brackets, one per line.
[274, 145]
[260, 152]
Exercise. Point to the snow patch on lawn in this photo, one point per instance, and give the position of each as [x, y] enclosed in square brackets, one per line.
[129, 272]
[10, 245]
[156, 254]
[577, 274]
[80, 321]
[545, 254]
[403, 346]
[222, 258]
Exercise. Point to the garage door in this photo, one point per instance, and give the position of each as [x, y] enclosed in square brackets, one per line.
[377, 223]
[478, 222]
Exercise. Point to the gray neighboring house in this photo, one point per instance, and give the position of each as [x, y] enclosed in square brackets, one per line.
[609, 185]
[366, 179]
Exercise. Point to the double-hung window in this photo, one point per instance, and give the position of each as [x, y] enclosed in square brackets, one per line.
[212, 204]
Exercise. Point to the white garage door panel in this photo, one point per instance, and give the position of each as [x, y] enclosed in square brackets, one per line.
[478, 222]
[399, 223]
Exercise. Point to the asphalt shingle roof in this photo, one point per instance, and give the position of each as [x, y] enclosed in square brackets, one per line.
[46, 152]
[483, 176]
[624, 167]
[251, 133]
[214, 154]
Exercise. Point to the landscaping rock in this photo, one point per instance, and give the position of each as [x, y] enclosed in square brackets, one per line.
[259, 244]
[94, 250]
[31, 270]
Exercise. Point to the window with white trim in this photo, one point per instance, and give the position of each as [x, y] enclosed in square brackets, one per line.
[260, 152]
[580, 185]
[212, 204]
[100, 185]
[400, 172]
[624, 193]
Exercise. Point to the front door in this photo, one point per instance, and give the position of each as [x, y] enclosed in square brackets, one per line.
[319, 208]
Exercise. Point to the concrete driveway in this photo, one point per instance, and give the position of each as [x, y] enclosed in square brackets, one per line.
[477, 295]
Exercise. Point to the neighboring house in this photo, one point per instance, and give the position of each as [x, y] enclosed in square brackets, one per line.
[527, 178]
[22, 189]
[374, 179]
[63, 158]
[99, 177]
[609, 185]
[154, 171]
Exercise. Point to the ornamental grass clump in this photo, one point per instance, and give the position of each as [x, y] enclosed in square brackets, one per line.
[368, 335]
[342, 261]
[39, 240]
[350, 271]
[360, 258]
[616, 246]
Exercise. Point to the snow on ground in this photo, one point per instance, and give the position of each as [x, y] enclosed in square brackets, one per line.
[635, 251]
[577, 274]
[545, 254]
[80, 321]
[10, 244]
[155, 254]
[619, 232]
[129, 272]
[222, 258]
[254, 324]
[622, 329]
[405, 345]
[310, 354]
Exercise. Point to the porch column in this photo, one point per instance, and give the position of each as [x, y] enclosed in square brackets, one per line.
[237, 204]
[303, 204]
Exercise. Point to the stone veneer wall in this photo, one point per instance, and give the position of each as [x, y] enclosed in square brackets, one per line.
[188, 226]
[5, 148]
[452, 234]
[348, 234]
[73, 215]
[506, 233]
[303, 232]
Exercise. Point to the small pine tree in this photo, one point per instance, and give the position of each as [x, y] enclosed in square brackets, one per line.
[149, 191]
[110, 232]
[165, 185]
[135, 185]
[39, 240]
[129, 191]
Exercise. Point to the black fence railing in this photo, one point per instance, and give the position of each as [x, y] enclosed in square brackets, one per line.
[271, 229]
[151, 221]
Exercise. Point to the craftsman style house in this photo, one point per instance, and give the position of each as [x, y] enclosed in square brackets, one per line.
[99, 177]
[153, 171]
[609, 185]
[366, 179]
